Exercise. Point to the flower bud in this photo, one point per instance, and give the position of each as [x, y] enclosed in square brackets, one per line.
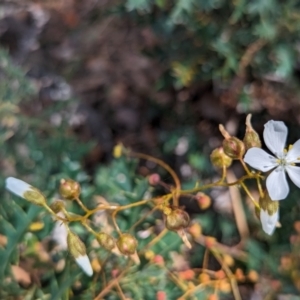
[195, 230]
[251, 138]
[78, 251]
[233, 147]
[127, 244]
[224, 286]
[219, 159]
[204, 278]
[269, 213]
[57, 206]
[154, 179]
[177, 219]
[204, 201]
[105, 240]
[228, 260]
[239, 275]
[69, 189]
[25, 190]
[253, 276]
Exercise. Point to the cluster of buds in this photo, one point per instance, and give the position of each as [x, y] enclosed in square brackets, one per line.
[70, 190]
[234, 148]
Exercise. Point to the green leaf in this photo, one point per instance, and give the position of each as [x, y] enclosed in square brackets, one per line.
[142, 5]
[14, 228]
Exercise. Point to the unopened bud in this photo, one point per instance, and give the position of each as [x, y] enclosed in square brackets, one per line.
[267, 204]
[57, 206]
[203, 278]
[161, 295]
[224, 286]
[25, 190]
[69, 189]
[210, 242]
[219, 159]
[127, 244]
[105, 240]
[204, 201]
[159, 260]
[195, 230]
[213, 297]
[228, 260]
[154, 179]
[78, 251]
[269, 213]
[177, 219]
[233, 147]
[251, 138]
[253, 276]
[239, 275]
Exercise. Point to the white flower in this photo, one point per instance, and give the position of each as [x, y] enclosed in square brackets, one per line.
[84, 263]
[275, 135]
[268, 222]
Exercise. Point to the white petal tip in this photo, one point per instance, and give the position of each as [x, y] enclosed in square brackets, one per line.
[268, 222]
[84, 263]
[17, 186]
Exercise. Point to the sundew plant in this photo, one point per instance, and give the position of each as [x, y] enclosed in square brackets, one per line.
[131, 258]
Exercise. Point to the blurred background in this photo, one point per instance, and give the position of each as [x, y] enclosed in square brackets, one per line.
[159, 76]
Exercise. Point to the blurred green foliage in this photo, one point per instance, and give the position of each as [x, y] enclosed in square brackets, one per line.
[37, 152]
[204, 40]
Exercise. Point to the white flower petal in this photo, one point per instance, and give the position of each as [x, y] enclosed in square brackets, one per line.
[17, 186]
[275, 135]
[84, 263]
[277, 185]
[294, 154]
[268, 222]
[260, 159]
[294, 174]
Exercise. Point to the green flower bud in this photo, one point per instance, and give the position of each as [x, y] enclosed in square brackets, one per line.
[78, 251]
[251, 138]
[69, 189]
[57, 206]
[105, 240]
[127, 244]
[25, 190]
[233, 147]
[177, 219]
[219, 159]
[269, 213]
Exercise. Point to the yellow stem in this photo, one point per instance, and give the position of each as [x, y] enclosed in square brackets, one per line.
[167, 168]
[58, 218]
[155, 240]
[249, 194]
[234, 286]
[81, 205]
[245, 166]
[113, 217]
[261, 192]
